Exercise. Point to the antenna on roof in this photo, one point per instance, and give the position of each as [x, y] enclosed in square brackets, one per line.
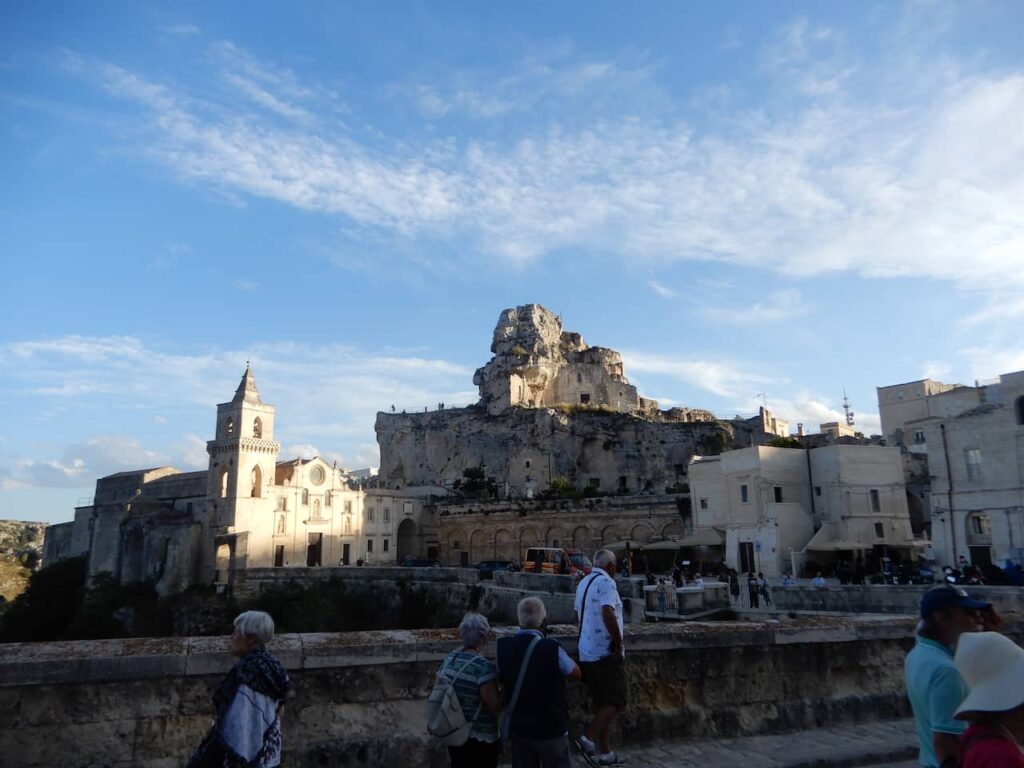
[846, 408]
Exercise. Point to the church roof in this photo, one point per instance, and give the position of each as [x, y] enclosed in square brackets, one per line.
[247, 392]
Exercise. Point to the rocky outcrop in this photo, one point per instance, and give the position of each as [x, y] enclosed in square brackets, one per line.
[537, 364]
[525, 449]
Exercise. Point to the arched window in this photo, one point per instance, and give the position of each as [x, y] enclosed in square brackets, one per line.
[305, 497]
[229, 426]
[1020, 410]
[327, 498]
[223, 482]
[257, 482]
[257, 428]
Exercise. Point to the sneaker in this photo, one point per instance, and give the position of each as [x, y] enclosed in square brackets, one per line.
[586, 749]
[609, 758]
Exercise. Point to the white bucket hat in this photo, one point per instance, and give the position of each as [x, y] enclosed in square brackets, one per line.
[992, 665]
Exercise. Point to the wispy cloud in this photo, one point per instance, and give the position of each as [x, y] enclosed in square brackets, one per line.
[326, 395]
[865, 182]
[663, 291]
[777, 306]
[722, 377]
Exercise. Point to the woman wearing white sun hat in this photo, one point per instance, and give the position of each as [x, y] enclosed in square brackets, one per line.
[992, 665]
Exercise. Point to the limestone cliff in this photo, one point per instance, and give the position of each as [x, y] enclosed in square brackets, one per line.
[524, 449]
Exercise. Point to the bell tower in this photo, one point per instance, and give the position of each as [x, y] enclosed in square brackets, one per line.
[243, 457]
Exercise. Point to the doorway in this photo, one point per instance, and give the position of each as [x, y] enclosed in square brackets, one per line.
[314, 549]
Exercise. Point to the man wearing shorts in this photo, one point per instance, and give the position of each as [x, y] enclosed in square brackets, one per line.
[602, 656]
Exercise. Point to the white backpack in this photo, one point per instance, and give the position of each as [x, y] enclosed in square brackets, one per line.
[445, 719]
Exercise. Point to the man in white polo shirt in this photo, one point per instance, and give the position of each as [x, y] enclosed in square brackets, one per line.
[602, 655]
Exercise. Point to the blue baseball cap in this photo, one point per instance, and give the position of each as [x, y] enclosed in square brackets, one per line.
[947, 596]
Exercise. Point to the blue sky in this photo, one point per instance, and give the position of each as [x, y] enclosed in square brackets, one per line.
[743, 198]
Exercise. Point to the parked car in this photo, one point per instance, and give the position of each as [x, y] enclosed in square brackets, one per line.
[564, 560]
[420, 562]
[486, 568]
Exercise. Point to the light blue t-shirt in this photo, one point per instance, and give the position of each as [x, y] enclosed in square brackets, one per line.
[935, 689]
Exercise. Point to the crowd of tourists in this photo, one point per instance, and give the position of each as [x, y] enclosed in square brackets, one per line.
[524, 687]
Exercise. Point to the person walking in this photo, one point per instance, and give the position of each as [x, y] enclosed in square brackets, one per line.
[734, 586]
[602, 656]
[475, 680]
[752, 588]
[764, 588]
[934, 685]
[533, 670]
[248, 702]
[992, 666]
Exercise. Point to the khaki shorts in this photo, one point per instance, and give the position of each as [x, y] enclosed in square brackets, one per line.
[606, 681]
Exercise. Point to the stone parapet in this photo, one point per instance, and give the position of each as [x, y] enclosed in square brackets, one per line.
[360, 697]
[883, 598]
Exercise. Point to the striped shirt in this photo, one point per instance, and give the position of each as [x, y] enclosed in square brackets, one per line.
[477, 672]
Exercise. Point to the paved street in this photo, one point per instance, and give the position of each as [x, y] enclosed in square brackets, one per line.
[889, 743]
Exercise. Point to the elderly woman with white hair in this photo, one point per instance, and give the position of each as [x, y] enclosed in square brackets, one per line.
[475, 682]
[246, 730]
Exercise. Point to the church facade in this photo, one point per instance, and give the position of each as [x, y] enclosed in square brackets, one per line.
[248, 509]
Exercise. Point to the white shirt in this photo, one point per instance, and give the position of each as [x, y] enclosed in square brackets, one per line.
[595, 640]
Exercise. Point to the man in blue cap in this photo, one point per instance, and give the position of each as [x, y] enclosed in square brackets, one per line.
[934, 685]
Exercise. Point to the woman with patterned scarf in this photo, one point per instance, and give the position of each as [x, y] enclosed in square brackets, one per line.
[246, 731]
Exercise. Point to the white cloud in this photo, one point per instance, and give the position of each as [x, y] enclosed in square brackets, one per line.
[246, 286]
[326, 395]
[663, 291]
[780, 305]
[923, 179]
[938, 370]
[720, 377]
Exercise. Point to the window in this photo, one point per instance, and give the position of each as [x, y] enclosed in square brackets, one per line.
[527, 463]
[876, 505]
[622, 483]
[455, 544]
[879, 530]
[594, 483]
[584, 398]
[369, 546]
[282, 503]
[387, 514]
[257, 428]
[305, 497]
[744, 497]
[256, 478]
[386, 545]
[980, 525]
[919, 437]
[972, 456]
[229, 426]
[778, 494]
[703, 503]
[579, 378]
[327, 498]
[1020, 409]
[746, 557]
[817, 490]
[348, 506]
[223, 482]
[369, 514]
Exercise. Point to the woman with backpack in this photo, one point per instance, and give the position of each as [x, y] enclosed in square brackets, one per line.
[474, 680]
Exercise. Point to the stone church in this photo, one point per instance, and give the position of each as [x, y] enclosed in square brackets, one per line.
[247, 510]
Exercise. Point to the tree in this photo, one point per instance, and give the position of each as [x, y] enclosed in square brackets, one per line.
[780, 441]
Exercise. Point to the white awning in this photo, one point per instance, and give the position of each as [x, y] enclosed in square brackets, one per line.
[704, 537]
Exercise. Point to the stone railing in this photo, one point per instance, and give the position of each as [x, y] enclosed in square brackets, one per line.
[883, 598]
[359, 697]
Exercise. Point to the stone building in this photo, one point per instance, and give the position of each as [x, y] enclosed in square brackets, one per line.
[246, 510]
[773, 509]
[973, 440]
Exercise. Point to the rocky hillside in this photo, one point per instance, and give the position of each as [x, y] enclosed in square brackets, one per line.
[21, 544]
